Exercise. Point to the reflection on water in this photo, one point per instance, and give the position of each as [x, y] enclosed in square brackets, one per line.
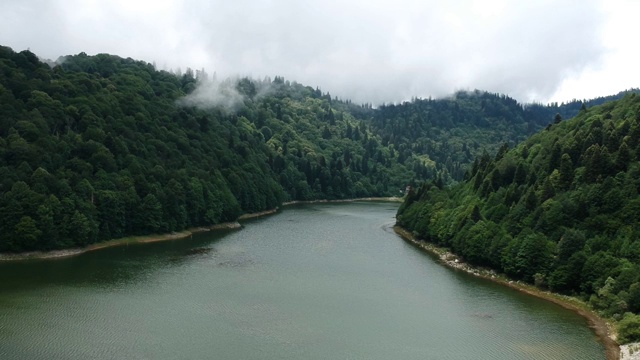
[320, 281]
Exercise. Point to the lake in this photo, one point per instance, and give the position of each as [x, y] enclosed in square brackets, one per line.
[317, 281]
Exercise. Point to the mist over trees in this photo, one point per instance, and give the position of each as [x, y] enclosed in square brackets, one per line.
[98, 147]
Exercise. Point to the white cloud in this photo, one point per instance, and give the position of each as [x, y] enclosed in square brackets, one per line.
[617, 70]
[370, 51]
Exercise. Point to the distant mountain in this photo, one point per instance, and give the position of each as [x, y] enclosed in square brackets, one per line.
[572, 108]
[453, 131]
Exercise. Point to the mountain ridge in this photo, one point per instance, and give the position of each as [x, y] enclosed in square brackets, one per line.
[560, 211]
[100, 147]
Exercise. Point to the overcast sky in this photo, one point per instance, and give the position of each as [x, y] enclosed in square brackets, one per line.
[366, 50]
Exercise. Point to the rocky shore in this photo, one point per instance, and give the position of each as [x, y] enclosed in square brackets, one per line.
[603, 329]
[630, 351]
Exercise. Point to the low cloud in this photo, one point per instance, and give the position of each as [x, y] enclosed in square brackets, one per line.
[369, 51]
[213, 94]
[228, 95]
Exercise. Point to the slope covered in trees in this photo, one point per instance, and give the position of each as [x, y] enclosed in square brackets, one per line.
[452, 132]
[102, 147]
[560, 210]
[572, 108]
[99, 147]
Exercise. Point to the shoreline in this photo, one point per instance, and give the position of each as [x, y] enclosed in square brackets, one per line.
[602, 328]
[142, 239]
[385, 199]
[64, 253]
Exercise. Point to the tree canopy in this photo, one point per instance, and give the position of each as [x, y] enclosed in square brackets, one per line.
[560, 210]
[99, 147]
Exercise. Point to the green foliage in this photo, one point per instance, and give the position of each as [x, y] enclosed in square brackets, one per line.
[27, 232]
[454, 131]
[102, 147]
[564, 200]
[629, 329]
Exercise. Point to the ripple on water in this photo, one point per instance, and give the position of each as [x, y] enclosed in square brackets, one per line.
[317, 282]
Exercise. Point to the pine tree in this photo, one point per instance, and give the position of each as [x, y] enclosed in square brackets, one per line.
[566, 171]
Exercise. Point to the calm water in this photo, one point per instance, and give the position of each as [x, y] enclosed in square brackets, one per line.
[312, 282]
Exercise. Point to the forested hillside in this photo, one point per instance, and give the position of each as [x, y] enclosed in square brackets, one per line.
[100, 147]
[560, 210]
[452, 132]
[572, 108]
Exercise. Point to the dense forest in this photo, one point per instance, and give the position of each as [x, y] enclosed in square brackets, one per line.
[100, 147]
[452, 132]
[561, 211]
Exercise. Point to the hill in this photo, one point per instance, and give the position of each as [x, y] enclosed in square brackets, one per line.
[100, 147]
[561, 210]
[452, 132]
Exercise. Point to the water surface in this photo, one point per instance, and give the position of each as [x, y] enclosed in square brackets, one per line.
[325, 281]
